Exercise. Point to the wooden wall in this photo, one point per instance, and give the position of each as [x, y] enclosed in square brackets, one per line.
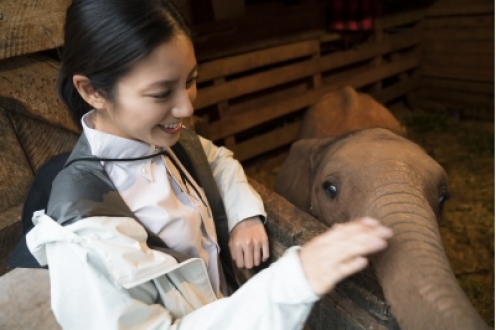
[458, 58]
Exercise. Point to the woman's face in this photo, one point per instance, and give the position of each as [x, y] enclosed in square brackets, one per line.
[153, 98]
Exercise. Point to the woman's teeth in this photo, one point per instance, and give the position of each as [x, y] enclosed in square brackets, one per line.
[171, 125]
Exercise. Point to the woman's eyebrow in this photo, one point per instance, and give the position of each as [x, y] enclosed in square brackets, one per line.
[161, 83]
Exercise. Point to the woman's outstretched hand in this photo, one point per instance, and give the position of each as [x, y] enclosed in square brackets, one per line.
[249, 243]
[339, 252]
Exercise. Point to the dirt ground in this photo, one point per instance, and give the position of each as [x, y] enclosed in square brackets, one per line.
[465, 148]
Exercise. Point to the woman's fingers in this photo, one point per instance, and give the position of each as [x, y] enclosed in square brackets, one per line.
[339, 252]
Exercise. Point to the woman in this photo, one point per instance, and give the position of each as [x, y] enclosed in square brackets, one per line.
[128, 78]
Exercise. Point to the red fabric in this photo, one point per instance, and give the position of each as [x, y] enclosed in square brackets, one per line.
[352, 15]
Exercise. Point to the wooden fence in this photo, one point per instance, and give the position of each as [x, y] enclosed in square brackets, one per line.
[458, 59]
[252, 102]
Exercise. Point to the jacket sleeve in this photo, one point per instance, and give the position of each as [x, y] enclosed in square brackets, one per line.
[104, 277]
[240, 199]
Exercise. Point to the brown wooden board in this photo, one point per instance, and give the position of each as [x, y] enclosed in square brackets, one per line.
[402, 18]
[459, 47]
[27, 86]
[458, 22]
[366, 51]
[31, 26]
[458, 85]
[457, 60]
[441, 8]
[461, 73]
[266, 142]
[461, 97]
[473, 34]
[245, 85]
[245, 62]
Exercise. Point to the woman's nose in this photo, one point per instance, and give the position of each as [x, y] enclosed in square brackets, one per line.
[184, 105]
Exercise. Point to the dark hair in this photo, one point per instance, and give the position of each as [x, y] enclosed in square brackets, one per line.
[104, 38]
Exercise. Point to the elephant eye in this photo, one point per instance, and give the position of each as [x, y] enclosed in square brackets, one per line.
[443, 197]
[330, 189]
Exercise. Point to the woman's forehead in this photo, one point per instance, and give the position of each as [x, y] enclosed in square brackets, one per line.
[171, 60]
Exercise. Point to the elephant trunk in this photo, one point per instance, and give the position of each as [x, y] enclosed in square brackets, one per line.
[422, 289]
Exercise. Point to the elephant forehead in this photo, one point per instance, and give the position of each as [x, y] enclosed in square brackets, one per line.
[377, 146]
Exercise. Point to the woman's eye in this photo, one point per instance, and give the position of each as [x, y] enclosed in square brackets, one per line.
[162, 95]
[190, 82]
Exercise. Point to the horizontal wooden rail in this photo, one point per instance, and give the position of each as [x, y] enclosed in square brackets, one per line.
[245, 62]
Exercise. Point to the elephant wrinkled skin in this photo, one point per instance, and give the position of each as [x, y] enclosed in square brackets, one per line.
[377, 173]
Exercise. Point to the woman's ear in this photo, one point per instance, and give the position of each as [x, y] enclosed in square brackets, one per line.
[89, 94]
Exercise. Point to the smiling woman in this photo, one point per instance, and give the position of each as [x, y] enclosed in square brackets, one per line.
[144, 234]
[163, 83]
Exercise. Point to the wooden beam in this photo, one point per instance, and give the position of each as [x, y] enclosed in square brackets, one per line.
[397, 90]
[27, 86]
[460, 9]
[459, 47]
[365, 76]
[475, 34]
[369, 50]
[458, 22]
[31, 26]
[267, 142]
[402, 18]
[245, 62]
[458, 85]
[450, 96]
[457, 60]
[460, 73]
[256, 82]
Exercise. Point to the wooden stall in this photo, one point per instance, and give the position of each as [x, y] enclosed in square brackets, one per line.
[458, 59]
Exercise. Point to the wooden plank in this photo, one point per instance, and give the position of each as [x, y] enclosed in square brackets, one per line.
[31, 26]
[460, 9]
[397, 90]
[459, 47]
[272, 97]
[266, 142]
[465, 60]
[365, 76]
[369, 50]
[467, 98]
[484, 113]
[27, 86]
[258, 115]
[242, 86]
[402, 18]
[475, 34]
[458, 22]
[235, 64]
[461, 73]
[458, 85]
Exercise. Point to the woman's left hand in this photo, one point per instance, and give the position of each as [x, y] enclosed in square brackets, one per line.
[249, 243]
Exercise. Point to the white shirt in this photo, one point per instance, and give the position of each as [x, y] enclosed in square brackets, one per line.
[154, 192]
[103, 275]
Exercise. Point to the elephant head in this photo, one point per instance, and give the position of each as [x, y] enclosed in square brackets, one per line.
[377, 173]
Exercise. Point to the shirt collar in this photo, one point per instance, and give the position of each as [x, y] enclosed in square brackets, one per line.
[104, 145]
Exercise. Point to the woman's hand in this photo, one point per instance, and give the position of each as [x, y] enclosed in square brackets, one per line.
[339, 252]
[249, 243]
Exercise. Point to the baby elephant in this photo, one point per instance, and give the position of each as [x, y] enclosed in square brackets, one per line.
[378, 173]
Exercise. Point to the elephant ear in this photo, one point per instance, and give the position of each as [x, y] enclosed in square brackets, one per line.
[295, 178]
